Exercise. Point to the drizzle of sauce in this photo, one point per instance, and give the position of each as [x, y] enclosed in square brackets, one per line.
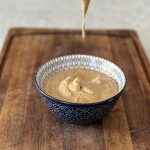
[84, 4]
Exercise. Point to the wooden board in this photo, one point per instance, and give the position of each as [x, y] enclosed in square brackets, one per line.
[25, 122]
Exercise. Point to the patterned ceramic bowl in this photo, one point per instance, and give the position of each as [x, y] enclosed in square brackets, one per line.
[81, 113]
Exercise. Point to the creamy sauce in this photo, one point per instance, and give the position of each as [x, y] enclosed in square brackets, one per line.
[80, 86]
[84, 4]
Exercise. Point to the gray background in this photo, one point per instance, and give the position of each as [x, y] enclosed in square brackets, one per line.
[102, 14]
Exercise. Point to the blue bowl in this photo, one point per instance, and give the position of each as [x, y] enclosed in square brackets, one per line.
[79, 113]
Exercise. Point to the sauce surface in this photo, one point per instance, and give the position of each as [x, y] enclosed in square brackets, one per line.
[80, 86]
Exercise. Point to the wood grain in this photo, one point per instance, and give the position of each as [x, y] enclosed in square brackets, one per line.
[26, 123]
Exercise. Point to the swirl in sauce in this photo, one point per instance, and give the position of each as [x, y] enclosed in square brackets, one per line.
[80, 86]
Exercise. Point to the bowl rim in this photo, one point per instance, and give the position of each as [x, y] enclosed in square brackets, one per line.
[72, 103]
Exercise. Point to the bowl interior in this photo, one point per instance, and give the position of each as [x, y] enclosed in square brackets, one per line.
[80, 61]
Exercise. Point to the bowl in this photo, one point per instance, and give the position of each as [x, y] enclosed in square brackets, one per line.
[79, 113]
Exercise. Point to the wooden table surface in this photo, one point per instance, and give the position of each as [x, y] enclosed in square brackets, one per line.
[25, 122]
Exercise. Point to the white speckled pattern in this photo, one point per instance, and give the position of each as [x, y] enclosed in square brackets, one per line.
[107, 14]
[80, 61]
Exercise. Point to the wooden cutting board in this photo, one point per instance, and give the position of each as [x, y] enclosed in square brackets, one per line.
[25, 122]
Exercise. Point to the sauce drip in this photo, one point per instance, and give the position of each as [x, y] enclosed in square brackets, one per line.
[84, 4]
